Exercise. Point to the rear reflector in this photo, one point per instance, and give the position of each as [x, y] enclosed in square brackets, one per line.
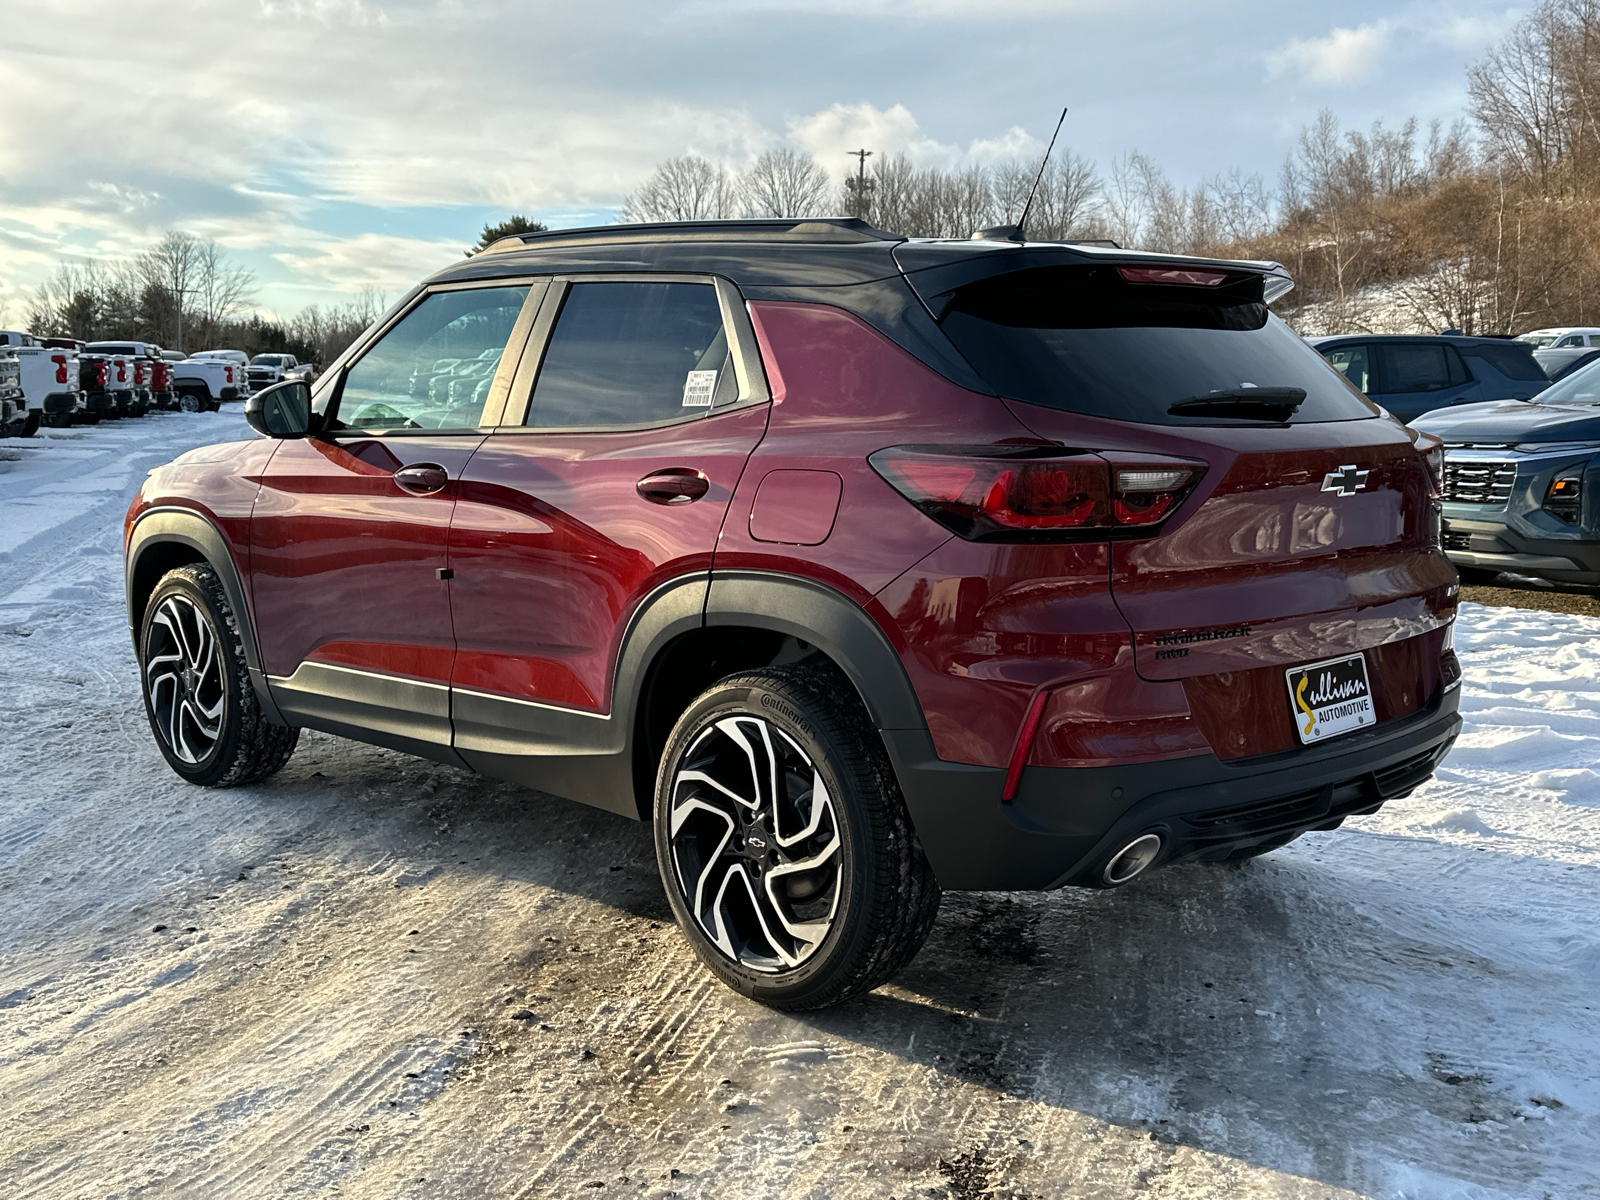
[1187, 277]
[1034, 493]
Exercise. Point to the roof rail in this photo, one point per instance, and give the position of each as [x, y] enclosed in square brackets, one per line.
[816, 230]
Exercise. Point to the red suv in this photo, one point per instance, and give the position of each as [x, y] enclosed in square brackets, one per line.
[862, 566]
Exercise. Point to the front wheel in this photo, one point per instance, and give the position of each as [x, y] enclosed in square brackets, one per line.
[784, 842]
[202, 706]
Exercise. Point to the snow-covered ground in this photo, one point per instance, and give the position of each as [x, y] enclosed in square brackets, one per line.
[379, 977]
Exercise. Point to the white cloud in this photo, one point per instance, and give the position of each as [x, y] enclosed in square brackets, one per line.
[1473, 33]
[831, 134]
[1339, 58]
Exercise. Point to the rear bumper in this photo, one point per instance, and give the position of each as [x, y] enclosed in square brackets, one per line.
[100, 402]
[61, 402]
[229, 393]
[1066, 823]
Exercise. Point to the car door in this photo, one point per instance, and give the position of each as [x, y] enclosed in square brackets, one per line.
[349, 535]
[1417, 377]
[630, 419]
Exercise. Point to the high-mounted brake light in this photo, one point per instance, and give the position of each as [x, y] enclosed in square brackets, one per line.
[60, 361]
[1186, 276]
[1035, 493]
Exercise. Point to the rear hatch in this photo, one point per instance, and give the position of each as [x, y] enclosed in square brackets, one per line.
[1312, 532]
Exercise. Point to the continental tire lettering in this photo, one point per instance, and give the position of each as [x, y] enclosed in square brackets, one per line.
[783, 710]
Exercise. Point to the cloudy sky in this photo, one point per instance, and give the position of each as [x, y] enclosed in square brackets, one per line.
[337, 144]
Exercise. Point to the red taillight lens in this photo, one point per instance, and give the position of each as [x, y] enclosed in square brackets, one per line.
[1188, 277]
[1029, 493]
[138, 373]
[228, 373]
[122, 371]
[1432, 451]
[60, 361]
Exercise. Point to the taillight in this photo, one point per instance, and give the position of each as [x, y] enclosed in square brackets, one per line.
[1187, 276]
[228, 374]
[60, 361]
[1035, 493]
[122, 371]
[1432, 451]
[138, 373]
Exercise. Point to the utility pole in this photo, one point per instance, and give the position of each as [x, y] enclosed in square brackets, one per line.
[860, 181]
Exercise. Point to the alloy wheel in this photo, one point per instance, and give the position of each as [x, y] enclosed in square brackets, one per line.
[755, 843]
[185, 678]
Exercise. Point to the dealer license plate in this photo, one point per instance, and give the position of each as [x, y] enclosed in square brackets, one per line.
[1330, 697]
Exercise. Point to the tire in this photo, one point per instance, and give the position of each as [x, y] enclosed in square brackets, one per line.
[1477, 576]
[864, 907]
[31, 426]
[198, 696]
[189, 402]
[58, 420]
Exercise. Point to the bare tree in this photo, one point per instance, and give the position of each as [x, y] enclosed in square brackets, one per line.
[687, 188]
[1517, 95]
[1066, 205]
[785, 183]
[222, 290]
[172, 264]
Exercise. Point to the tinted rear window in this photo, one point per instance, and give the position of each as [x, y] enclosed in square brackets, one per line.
[1512, 361]
[1082, 339]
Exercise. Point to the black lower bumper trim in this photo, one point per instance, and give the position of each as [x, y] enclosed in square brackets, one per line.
[1066, 822]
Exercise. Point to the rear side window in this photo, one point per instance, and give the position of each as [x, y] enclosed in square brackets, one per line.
[1511, 360]
[1354, 363]
[1085, 340]
[1421, 367]
[633, 354]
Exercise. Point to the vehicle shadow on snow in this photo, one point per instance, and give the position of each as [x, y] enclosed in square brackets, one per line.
[1252, 1012]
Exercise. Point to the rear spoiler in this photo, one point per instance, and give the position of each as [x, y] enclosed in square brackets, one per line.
[936, 280]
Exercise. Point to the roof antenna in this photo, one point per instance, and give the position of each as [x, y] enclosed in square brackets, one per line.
[1015, 233]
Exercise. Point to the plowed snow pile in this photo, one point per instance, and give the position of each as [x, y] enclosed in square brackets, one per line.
[379, 977]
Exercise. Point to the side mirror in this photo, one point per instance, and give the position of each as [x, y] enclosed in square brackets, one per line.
[281, 411]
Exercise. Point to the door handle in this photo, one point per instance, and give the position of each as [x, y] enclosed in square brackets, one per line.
[422, 479]
[674, 485]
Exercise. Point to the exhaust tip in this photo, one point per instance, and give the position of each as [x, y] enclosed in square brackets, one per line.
[1133, 859]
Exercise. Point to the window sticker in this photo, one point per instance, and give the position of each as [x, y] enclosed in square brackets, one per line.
[698, 389]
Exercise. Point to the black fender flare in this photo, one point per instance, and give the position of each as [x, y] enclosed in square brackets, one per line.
[164, 526]
[828, 620]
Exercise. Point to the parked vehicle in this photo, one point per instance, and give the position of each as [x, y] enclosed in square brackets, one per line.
[1410, 375]
[15, 419]
[94, 380]
[124, 378]
[152, 379]
[1522, 483]
[15, 337]
[1557, 374]
[49, 378]
[267, 369]
[238, 359]
[1556, 348]
[205, 384]
[864, 567]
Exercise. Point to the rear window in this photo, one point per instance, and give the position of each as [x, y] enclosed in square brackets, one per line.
[1085, 340]
[1512, 361]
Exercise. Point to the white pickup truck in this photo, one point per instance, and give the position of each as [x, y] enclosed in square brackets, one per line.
[48, 378]
[268, 369]
[15, 419]
[204, 384]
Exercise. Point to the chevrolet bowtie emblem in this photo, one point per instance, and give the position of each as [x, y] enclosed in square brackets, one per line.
[1346, 481]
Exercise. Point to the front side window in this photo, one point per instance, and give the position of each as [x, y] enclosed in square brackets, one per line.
[434, 368]
[633, 354]
[1351, 362]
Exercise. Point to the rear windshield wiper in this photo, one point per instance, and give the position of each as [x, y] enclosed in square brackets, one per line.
[1250, 403]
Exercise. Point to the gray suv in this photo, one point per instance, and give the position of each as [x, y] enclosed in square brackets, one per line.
[1413, 374]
